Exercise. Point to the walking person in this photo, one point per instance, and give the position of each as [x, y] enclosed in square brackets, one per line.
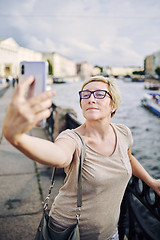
[108, 163]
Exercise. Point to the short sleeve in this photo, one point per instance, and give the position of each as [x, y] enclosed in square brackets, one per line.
[130, 138]
[125, 134]
[72, 136]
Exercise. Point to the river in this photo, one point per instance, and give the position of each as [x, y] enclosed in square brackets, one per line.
[144, 125]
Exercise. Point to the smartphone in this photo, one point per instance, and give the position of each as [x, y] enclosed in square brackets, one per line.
[39, 70]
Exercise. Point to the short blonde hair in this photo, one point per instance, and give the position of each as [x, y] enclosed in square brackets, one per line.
[113, 90]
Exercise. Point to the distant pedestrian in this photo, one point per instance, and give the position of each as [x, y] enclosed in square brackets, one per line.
[17, 80]
[13, 82]
[108, 163]
[8, 82]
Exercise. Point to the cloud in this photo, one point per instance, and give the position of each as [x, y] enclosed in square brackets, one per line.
[103, 32]
[42, 45]
[28, 5]
[82, 46]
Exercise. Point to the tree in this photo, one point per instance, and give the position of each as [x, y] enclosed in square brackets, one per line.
[101, 68]
[50, 68]
[157, 71]
[138, 72]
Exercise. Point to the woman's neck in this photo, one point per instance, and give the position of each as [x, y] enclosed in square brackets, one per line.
[91, 128]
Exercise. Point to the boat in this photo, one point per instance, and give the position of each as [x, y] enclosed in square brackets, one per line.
[152, 85]
[152, 102]
[58, 80]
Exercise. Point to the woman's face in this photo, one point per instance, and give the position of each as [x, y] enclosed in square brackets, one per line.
[96, 109]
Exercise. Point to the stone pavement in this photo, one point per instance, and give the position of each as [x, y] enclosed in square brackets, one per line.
[23, 186]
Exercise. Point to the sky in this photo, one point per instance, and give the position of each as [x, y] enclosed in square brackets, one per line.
[101, 32]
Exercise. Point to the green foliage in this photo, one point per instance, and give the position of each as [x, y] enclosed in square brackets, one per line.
[157, 70]
[50, 67]
[101, 68]
[138, 72]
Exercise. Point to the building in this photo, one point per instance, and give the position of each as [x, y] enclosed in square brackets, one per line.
[121, 71]
[151, 62]
[96, 71]
[149, 65]
[85, 69]
[11, 54]
[62, 66]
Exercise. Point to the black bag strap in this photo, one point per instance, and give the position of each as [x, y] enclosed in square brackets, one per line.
[82, 157]
[45, 202]
[79, 189]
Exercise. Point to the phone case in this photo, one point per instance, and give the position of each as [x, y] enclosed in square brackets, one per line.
[40, 71]
[37, 69]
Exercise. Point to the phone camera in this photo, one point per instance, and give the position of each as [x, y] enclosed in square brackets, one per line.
[22, 69]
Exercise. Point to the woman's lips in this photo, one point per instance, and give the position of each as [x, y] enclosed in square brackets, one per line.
[92, 108]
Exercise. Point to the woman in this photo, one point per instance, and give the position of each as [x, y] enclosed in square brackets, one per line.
[108, 163]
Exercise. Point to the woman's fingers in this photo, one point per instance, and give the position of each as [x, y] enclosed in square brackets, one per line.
[35, 109]
[23, 86]
[32, 105]
[23, 114]
[41, 106]
[41, 97]
[42, 115]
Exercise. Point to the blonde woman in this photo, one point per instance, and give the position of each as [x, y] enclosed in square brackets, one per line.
[108, 163]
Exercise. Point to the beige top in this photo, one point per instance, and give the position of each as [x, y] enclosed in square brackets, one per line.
[104, 180]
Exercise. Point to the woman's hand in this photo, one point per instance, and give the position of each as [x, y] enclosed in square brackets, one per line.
[23, 114]
[140, 172]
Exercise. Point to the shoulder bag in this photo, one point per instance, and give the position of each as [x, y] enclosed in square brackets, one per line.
[44, 232]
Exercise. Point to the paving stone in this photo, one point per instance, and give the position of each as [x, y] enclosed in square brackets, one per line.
[19, 228]
[19, 195]
[12, 161]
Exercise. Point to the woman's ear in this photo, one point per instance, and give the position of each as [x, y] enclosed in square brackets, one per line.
[113, 110]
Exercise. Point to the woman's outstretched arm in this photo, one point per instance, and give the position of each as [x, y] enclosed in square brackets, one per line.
[22, 115]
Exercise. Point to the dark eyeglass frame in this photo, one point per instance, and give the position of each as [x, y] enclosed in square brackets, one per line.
[93, 92]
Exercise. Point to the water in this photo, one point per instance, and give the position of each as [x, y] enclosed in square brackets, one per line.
[144, 125]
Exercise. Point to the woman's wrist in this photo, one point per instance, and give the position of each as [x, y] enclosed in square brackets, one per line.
[151, 182]
[18, 139]
[14, 139]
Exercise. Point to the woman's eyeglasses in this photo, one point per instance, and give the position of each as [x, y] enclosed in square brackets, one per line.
[99, 94]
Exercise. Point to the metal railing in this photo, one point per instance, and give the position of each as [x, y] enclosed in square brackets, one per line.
[50, 122]
[131, 221]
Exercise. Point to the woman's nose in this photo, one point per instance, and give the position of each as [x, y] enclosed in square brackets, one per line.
[91, 98]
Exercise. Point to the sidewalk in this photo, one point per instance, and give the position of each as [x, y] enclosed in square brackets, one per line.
[20, 202]
[3, 89]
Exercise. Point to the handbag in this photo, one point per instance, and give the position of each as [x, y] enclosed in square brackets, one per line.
[44, 231]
